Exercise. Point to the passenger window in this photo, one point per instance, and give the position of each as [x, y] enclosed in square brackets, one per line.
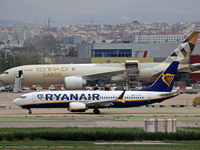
[22, 96]
[5, 73]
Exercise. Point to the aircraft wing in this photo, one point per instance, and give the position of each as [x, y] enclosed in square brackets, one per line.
[100, 103]
[191, 68]
[106, 102]
[105, 75]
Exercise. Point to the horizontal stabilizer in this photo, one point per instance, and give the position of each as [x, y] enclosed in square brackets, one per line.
[191, 68]
[168, 94]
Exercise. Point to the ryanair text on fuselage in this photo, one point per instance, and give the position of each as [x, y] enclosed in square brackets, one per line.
[68, 97]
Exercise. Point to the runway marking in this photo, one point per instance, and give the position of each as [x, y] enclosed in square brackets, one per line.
[103, 117]
[135, 143]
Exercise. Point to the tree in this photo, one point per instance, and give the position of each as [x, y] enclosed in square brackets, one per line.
[72, 53]
[8, 42]
[135, 21]
[42, 44]
[17, 58]
[1, 43]
[49, 44]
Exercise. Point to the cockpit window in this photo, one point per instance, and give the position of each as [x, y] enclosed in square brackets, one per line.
[22, 96]
[5, 72]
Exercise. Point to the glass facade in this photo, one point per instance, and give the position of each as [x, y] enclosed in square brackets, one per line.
[68, 40]
[112, 53]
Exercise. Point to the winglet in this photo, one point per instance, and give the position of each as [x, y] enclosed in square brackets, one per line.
[120, 98]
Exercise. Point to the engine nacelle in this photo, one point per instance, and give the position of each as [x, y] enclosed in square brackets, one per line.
[72, 83]
[77, 107]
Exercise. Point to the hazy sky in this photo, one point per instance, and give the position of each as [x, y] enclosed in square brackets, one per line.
[82, 6]
[103, 11]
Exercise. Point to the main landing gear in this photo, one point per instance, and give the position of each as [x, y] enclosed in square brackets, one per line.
[29, 111]
[96, 111]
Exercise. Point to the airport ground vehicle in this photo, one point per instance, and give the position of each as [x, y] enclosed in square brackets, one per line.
[6, 88]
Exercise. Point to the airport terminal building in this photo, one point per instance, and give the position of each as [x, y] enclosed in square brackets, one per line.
[157, 51]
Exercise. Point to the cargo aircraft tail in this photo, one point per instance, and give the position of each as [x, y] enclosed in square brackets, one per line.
[184, 50]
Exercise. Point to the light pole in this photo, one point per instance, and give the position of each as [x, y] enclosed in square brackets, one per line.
[10, 63]
[14, 60]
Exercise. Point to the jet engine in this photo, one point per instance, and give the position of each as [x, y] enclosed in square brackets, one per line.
[77, 107]
[72, 83]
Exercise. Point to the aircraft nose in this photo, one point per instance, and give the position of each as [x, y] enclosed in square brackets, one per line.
[2, 78]
[16, 101]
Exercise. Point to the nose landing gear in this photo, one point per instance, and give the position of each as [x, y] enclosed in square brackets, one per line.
[29, 111]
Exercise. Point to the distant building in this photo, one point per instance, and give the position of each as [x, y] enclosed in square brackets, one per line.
[195, 76]
[158, 38]
[67, 40]
[3, 36]
[159, 51]
[84, 49]
[23, 35]
[77, 39]
[49, 29]
[65, 60]
[117, 50]
[71, 39]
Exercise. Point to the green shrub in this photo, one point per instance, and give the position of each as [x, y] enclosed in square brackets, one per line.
[98, 134]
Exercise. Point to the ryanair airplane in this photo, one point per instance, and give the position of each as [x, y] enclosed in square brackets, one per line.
[80, 101]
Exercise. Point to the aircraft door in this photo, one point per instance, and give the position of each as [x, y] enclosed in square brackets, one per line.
[149, 97]
[34, 98]
[19, 74]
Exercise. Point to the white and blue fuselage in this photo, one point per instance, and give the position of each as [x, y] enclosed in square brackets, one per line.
[62, 99]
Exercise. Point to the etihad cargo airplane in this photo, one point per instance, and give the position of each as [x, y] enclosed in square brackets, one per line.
[80, 101]
[75, 76]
